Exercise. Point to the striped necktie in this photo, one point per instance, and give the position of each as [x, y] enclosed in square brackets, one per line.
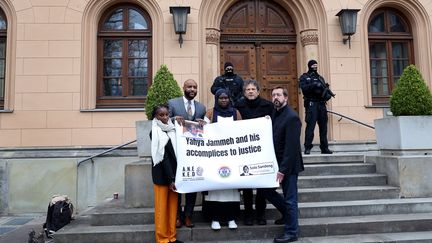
[189, 110]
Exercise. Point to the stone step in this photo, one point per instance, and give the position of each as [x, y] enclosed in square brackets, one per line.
[347, 193]
[414, 237]
[338, 169]
[341, 180]
[333, 158]
[122, 216]
[310, 227]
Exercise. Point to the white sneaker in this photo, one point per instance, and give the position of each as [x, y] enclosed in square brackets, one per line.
[215, 225]
[232, 224]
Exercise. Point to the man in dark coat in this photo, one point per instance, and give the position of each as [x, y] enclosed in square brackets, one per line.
[230, 81]
[253, 106]
[316, 92]
[286, 139]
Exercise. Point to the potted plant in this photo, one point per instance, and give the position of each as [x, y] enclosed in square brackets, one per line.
[408, 131]
[163, 88]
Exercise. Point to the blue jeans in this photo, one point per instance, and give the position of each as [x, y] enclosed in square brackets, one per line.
[286, 204]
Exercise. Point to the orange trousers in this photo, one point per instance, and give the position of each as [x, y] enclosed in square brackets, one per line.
[165, 213]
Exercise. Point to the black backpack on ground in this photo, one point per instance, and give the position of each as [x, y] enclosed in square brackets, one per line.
[59, 214]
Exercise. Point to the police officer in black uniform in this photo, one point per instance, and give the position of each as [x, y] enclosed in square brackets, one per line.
[230, 81]
[316, 93]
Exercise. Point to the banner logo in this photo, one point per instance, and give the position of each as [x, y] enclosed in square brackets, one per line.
[224, 172]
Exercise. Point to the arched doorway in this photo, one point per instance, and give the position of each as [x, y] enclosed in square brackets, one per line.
[259, 38]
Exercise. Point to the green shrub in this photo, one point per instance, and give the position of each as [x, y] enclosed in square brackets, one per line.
[164, 87]
[411, 97]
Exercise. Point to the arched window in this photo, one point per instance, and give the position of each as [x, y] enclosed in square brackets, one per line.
[3, 28]
[390, 51]
[124, 57]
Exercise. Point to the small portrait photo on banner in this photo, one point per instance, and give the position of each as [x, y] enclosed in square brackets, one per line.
[193, 130]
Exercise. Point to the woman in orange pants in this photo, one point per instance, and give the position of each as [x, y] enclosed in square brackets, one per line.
[163, 174]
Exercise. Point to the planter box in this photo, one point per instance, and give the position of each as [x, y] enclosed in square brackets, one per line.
[401, 135]
[143, 129]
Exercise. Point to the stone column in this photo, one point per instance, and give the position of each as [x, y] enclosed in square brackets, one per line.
[211, 64]
[309, 41]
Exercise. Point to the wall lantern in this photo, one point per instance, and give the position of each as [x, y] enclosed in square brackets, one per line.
[348, 22]
[180, 20]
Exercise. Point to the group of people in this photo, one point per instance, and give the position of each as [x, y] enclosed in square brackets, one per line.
[235, 99]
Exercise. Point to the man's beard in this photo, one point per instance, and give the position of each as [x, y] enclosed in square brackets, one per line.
[189, 94]
[277, 104]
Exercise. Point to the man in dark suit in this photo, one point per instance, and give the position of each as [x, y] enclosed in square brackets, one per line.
[181, 109]
[253, 106]
[286, 139]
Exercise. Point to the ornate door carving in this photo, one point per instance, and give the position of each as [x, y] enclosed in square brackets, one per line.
[258, 37]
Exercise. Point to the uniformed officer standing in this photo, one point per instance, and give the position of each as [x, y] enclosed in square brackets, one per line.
[316, 93]
[231, 81]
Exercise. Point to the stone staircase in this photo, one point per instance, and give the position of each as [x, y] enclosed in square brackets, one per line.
[342, 199]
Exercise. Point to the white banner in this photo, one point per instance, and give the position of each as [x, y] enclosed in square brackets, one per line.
[226, 155]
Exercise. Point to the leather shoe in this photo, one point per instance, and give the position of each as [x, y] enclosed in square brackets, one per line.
[189, 223]
[179, 223]
[326, 151]
[248, 221]
[279, 221]
[285, 238]
[261, 221]
[177, 241]
[307, 151]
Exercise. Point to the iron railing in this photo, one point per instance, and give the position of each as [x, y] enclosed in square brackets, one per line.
[104, 152]
[351, 119]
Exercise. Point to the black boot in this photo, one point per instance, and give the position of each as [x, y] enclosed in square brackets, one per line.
[326, 151]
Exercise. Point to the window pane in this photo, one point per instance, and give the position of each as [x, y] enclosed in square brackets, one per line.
[136, 21]
[138, 87]
[2, 89]
[112, 87]
[379, 68]
[380, 87]
[398, 67]
[115, 21]
[377, 50]
[138, 48]
[399, 50]
[396, 24]
[112, 68]
[374, 86]
[2, 48]
[2, 23]
[377, 23]
[137, 67]
[113, 48]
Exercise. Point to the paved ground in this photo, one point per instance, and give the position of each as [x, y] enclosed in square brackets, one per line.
[15, 229]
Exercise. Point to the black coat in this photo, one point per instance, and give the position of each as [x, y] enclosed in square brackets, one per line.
[312, 86]
[254, 108]
[164, 172]
[233, 83]
[286, 139]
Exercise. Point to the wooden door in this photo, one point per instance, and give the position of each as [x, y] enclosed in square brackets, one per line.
[258, 37]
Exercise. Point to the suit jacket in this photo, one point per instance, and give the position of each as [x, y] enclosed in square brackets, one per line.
[286, 139]
[177, 108]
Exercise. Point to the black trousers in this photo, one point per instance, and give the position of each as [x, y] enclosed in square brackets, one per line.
[189, 205]
[316, 112]
[260, 203]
